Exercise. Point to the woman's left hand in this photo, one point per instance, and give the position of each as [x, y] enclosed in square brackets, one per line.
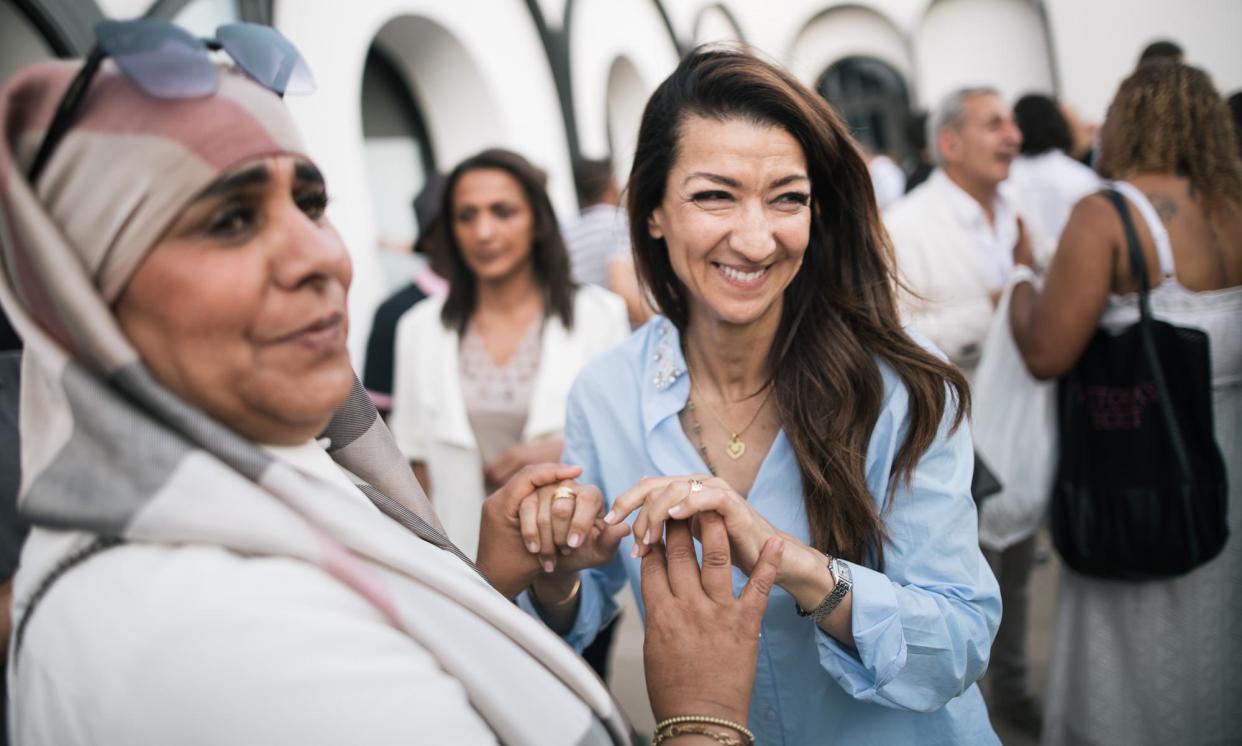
[659, 498]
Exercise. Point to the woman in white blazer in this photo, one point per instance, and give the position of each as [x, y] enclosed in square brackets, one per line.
[482, 375]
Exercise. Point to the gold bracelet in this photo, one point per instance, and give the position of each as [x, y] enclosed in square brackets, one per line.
[573, 593]
[748, 738]
[690, 729]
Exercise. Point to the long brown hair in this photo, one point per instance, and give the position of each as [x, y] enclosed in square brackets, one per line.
[840, 315]
[548, 250]
[1168, 118]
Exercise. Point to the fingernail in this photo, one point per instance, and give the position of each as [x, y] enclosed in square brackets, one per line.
[634, 552]
[676, 510]
[533, 547]
[548, 567]
[647, 537]
[574, 540]
[611, 517]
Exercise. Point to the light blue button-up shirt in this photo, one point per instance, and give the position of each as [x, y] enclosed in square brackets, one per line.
[923, 627]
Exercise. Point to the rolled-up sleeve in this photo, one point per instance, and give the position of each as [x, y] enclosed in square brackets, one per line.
[597, 605]
[923, 628]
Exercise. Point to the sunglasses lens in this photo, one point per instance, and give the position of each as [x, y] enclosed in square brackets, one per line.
[267, 56]
[161, 59]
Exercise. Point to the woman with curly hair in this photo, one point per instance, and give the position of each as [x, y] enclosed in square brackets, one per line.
[1152, 662]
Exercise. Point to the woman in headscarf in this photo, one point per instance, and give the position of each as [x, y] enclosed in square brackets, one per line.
[229, 547]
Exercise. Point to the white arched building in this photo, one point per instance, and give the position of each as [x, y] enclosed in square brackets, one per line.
[406, 86]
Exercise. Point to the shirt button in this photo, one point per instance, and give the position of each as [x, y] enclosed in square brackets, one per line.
[769, 714]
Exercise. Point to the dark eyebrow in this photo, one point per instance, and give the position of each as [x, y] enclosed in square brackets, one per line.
[254, 176]
[717, 178]
[786, 180]
[307, 172]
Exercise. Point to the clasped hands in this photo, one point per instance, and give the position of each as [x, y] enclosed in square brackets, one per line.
[701, 642]
[528, 535]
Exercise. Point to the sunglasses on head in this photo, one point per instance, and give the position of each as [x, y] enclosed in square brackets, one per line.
[166, 61]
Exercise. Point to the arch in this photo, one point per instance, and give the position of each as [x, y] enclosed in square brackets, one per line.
[397, 150]
[439, 70]
[848, 31]
[716, 23]
[626, 97]
[1013, 55]
[600, 32]
[872, 97]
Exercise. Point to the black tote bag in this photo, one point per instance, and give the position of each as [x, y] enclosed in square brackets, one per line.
[1140, 491]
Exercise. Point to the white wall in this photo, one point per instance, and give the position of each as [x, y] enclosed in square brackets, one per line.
[999, 43]
[1098, 42]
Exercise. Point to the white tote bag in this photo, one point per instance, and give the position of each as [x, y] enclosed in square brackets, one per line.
[1014, 425]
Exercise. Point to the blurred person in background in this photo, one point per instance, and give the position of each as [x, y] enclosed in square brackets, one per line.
[598, 241]
[427, 281]
[1049, 180]
[782, 391]
[482, 373]
[954, 235]
[1153, 662]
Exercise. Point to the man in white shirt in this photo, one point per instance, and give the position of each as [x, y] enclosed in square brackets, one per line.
[954, 238]
[954, 234]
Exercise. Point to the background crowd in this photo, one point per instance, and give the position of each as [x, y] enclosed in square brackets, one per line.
[1000, 247]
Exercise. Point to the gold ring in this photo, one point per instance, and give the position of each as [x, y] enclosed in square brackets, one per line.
[696, 485]
[564, 493]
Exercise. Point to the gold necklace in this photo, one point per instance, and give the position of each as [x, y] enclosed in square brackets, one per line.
[736, 448]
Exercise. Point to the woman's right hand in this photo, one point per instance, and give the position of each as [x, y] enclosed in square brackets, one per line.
[568, 533]
[701, 643]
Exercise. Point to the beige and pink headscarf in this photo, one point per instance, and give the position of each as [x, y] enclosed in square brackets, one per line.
[108, 451]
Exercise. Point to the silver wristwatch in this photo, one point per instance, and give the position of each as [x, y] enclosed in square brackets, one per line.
[841, 573]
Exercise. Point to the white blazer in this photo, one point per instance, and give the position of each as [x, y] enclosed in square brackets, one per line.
[429, 418]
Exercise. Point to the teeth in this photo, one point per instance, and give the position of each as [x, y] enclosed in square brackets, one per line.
[740, 276]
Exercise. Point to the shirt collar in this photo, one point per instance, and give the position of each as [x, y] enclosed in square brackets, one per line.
[665, 385]
[965, 207]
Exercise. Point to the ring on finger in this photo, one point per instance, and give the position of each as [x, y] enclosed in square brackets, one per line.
[696, 485]
[564, 492]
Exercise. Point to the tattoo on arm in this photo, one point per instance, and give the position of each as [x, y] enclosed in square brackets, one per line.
[1165, 206]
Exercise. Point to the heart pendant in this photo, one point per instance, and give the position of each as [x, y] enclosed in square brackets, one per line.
[735, 449]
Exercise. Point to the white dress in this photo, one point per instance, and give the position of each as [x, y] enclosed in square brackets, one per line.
[1161, 662]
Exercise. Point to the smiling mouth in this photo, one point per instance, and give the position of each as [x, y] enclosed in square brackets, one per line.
[742, 278]
[323, 333]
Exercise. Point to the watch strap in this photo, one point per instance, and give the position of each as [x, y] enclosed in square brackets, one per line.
[841, 572]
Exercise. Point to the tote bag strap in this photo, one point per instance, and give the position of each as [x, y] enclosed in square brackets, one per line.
[1138, 269]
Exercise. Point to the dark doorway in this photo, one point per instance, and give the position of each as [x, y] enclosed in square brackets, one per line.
[872, 98]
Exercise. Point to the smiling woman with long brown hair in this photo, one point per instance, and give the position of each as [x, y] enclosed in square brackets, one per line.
[781, 367]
